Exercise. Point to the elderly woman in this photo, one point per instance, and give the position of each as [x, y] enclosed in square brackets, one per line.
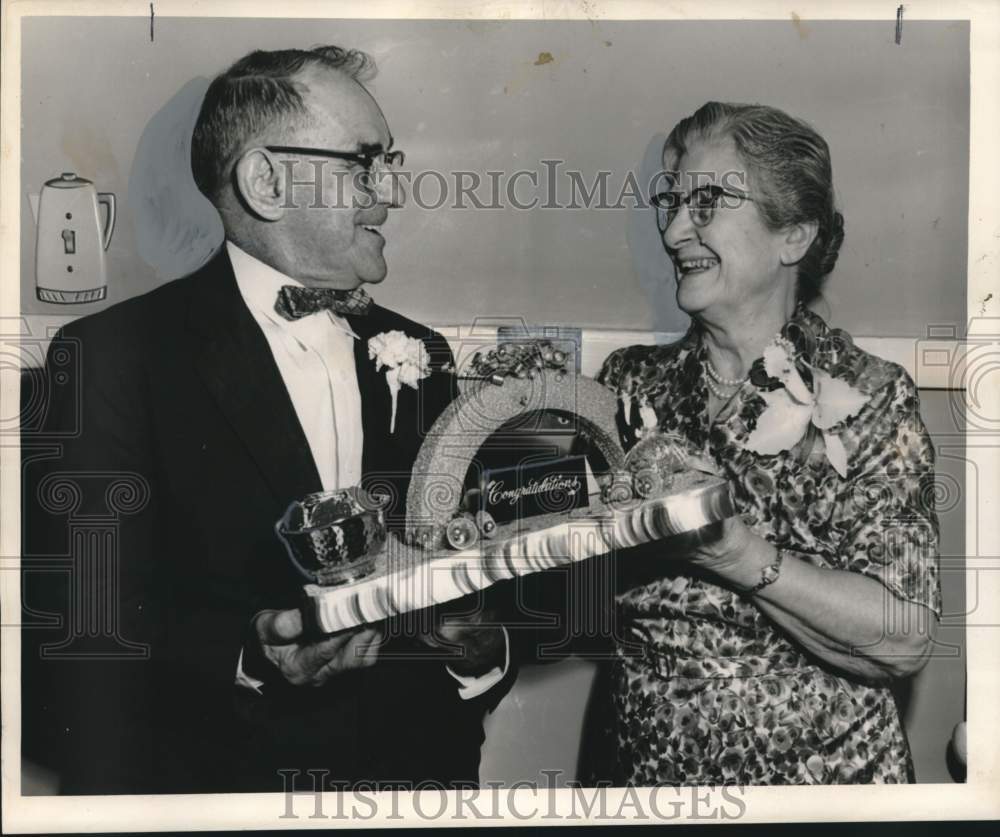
[763, 651]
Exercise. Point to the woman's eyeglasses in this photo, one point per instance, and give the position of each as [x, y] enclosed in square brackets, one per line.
[701, 204]
[375, 164]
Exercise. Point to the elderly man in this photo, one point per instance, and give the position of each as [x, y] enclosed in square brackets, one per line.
[228, 394]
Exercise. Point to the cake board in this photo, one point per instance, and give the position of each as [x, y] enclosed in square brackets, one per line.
[409, 578]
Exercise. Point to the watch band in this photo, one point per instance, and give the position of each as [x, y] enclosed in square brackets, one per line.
[768, 575]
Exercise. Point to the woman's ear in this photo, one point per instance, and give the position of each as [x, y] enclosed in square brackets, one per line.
[259, 183]
[798, 239]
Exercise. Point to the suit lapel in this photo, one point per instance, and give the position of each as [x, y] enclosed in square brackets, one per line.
[235, 362]
[376, 404]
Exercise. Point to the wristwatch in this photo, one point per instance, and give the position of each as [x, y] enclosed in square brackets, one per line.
[768, 575]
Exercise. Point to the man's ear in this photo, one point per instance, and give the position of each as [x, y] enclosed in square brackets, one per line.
[798, 239]
[258, 181]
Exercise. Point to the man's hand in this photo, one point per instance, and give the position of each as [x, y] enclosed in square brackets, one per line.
[470, 647]
[313, 663]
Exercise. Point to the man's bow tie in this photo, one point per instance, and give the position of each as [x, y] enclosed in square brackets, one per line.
[295, 302]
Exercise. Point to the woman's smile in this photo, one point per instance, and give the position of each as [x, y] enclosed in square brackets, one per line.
[690, 266]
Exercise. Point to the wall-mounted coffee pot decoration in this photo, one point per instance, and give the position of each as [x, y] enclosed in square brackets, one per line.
[72, 238]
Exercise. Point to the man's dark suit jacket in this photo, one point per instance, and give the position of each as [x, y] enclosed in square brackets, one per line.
[178, 389]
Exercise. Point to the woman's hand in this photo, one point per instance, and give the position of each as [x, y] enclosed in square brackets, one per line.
[729, 549]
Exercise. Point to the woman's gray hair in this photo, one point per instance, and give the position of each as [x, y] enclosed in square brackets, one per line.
[790, 170]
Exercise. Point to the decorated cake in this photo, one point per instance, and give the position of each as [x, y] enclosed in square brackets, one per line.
[448, 550]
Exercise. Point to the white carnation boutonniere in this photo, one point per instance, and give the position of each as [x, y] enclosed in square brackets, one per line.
[405, 360]
[792, 407]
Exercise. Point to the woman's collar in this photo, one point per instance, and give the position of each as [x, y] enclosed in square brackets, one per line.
[805, 329]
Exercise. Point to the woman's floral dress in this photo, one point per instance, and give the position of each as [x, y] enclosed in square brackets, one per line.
[705, 688]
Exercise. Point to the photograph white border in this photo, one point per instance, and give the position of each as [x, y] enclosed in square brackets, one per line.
[978, 798]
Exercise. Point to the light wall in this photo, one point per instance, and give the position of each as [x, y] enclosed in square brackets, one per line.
[481, 96]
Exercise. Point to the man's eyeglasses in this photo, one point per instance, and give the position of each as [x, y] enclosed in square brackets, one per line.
[701, 204]
[375, 164]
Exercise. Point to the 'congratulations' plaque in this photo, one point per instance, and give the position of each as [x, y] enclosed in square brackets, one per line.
[530, 489]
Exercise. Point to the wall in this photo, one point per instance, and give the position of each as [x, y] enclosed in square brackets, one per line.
[482, 96]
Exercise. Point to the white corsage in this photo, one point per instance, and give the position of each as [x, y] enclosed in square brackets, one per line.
[647, 415]
[791, 408]
[405, 360]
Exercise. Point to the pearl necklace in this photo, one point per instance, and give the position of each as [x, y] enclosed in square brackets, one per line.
[718, 393]
[715, 382]
[714, 374]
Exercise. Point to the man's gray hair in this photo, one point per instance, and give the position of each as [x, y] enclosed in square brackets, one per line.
[257, 93]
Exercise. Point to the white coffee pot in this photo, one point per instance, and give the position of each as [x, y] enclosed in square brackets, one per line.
[72, 238]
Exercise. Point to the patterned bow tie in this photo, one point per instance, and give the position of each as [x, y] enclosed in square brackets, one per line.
[295, 302]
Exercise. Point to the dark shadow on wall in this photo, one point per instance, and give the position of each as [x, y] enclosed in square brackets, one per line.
[177, 230]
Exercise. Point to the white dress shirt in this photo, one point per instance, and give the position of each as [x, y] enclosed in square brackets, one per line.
[315, 357]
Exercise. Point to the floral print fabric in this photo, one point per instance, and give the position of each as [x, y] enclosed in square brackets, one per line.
[705, 688]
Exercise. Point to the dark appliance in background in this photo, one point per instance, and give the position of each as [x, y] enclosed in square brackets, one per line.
[537, 440]
[560, 612]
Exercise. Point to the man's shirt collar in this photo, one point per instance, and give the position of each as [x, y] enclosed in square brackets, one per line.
[259, 284]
